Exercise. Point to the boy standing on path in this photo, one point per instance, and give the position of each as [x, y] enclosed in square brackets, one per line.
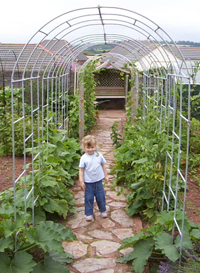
[92, 170]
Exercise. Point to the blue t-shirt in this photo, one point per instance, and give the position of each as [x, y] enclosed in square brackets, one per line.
[93, 170]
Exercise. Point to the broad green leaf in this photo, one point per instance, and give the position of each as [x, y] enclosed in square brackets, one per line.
[131, 241]
[140, 161]
[7, 194]
[53, 160]
[51, 147]
[150, 203]
[57, 205]
[45, 238]
[49, 181]
[134, 208]
[73, 172]
[22, 262]
[6, 243]
[127, 257]
[154, 268]
[144, 193]
[195, 233]
[163, 241]
[42, 200]
[150, 213]
[5, 262]
[166, 217]
[39, 216]
[60, 258]
[187, 242]
[63, 172]
[10, 226]
[6, 211]
[65, 154]
[155, 229]
[72, 210]
[142, 251]
[194, 225]
[64, 233]
[135, 186]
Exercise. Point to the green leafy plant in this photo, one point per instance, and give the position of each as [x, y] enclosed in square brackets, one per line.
[20, 241]
[6, 122]
[115, 135]
[6, 135]
[54, 173]
[5, 100]
[190, 262]
[155, 243]
[74, 115]
[194, 156]
[27, 248]
[140, 166]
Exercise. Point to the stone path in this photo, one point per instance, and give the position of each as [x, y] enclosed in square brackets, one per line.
[96, 249]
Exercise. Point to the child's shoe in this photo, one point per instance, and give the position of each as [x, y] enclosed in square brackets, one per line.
[89, 218]
[104, 214]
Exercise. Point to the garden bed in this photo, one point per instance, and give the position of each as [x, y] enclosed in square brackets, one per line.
[193, 193]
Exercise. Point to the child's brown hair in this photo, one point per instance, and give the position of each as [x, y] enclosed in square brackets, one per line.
[89, 141]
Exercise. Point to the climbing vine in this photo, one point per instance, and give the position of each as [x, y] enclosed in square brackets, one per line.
[86, 79]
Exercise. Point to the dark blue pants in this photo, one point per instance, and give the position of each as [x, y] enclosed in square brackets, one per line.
[94, 190]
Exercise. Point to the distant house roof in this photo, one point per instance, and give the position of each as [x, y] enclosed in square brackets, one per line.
[142, 48]
[10, 52]
[36, 56]
[82, 57]
[134, 49]
[191, 56]
[189, 53]
[143, 53]
[149, 55]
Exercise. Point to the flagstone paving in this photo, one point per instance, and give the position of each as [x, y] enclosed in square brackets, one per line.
[96, 249]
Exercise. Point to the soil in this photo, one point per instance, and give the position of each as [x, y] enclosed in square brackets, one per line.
[6, 170]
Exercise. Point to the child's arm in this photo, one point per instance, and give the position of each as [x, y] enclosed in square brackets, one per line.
[105, 172]
[82, 184]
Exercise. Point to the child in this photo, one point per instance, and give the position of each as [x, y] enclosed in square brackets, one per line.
[91, 172]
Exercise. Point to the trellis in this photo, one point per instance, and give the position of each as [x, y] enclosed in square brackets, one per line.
[113, 79]
[46, 73]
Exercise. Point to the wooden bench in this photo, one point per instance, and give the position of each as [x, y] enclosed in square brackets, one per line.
[109, 92]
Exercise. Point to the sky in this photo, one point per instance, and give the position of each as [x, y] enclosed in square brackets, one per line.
[21, 19]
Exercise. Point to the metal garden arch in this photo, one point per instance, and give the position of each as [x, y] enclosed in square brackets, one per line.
[47, 69]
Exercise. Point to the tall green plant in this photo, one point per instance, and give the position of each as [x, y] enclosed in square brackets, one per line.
[115, 135]
[86, 79]
[20, 241]
[140, 165]
[6, 122]
[54, 173]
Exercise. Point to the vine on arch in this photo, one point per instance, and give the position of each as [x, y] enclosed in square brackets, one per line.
[86, 79]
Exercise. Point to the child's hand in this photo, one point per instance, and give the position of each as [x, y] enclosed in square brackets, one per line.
[82, 184]
[106, 179]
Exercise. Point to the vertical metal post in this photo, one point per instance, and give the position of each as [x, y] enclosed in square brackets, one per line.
[137, 87]
[75, 79]
[133, 104]
[126, 88]
[81, 112]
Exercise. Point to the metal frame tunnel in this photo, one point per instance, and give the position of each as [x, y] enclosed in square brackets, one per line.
[47, 75]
